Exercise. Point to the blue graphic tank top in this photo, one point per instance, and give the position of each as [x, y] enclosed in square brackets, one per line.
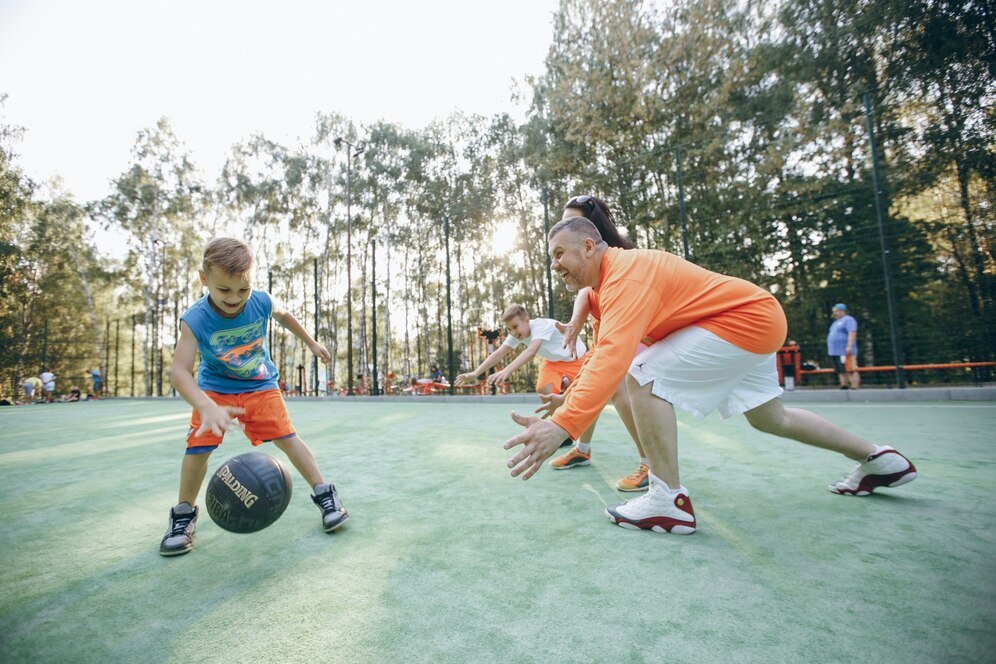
[235, 356]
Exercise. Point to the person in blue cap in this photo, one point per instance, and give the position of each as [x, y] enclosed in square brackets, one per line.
[842, 347]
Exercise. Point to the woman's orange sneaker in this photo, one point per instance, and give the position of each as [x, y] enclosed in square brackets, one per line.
[572, 459]
[638, 481]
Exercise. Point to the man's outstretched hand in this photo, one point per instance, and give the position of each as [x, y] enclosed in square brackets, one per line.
[540, 439]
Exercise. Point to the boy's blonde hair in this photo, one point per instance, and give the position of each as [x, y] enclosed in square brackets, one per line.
[514, 311]
[228, 255]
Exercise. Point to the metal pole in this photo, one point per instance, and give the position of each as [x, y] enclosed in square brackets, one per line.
[681, 203]
[269, 289]
[117, 351]
[155, 383]
[107, 353]
[315, 363]
[449, 317]
[373, 289]
[880, 213]
[134, 323]
[176, 335]
[349, 269]
[549, 264]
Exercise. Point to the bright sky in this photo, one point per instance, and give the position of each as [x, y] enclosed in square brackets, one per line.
[83, 77]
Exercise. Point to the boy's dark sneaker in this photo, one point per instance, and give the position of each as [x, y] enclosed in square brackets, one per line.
[179, 537]
[333, 513]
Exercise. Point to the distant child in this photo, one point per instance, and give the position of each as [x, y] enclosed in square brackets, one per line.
[48, 384]
[540, 337]
[32, 385]
[97, 384]
[236, 385]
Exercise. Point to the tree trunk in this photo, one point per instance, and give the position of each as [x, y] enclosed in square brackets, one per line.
[978, 262]
[27, 325]
[963, 274]
[406, 361]
[88, 294]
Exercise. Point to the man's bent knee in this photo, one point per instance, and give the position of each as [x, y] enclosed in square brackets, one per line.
[769, 418]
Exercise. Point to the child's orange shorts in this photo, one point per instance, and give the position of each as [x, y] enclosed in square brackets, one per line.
[265, 419]
[554, 372]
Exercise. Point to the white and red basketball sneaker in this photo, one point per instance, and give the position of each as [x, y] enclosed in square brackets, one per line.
[659, 510]
[884, 468]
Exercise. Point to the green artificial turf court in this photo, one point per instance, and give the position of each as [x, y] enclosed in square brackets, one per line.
[448, 559]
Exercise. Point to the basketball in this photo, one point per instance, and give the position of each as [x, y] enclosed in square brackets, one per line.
[248, 493]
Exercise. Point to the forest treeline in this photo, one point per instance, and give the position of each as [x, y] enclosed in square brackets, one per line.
[741, 130]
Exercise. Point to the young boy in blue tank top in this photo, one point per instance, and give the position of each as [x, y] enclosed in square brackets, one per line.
[236, 379]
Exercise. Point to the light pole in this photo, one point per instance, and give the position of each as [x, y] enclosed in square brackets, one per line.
[351, 151]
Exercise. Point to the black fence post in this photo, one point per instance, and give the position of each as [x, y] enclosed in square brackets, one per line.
[373, 290]
[314, 381]
[117, 352]
[886, 253]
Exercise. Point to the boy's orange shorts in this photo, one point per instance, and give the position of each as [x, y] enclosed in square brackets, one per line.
[554, 372]
[265, 419]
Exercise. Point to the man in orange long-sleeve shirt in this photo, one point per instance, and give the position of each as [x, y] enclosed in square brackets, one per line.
[712, 347]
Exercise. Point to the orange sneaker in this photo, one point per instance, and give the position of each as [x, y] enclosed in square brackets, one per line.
[572, 459]
[637, 481]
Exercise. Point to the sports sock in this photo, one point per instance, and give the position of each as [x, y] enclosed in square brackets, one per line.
[663, 486]
[645, 461]
[584, 448]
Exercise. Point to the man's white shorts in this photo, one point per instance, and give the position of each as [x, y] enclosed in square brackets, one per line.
[699, 372]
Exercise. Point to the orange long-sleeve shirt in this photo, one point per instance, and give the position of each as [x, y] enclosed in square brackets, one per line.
[645, 294]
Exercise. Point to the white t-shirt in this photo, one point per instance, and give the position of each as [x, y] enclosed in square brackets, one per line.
[48, 380]
[553, 341]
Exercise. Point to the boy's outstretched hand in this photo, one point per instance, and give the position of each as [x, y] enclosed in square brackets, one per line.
[219, 419]
[464, 378]
[322, 352]
[551, 402]
[499, 377]
[570, 332]
[539, 441]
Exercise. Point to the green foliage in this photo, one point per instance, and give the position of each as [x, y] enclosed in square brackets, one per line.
[760, 103]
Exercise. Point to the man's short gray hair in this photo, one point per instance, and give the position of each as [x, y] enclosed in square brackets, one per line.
[578, 225]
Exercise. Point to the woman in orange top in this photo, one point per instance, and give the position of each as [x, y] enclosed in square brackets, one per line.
[713, 339]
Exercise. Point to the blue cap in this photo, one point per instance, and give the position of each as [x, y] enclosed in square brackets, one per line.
[842, 307]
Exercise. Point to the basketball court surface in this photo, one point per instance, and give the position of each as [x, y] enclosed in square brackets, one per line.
[448, 559]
